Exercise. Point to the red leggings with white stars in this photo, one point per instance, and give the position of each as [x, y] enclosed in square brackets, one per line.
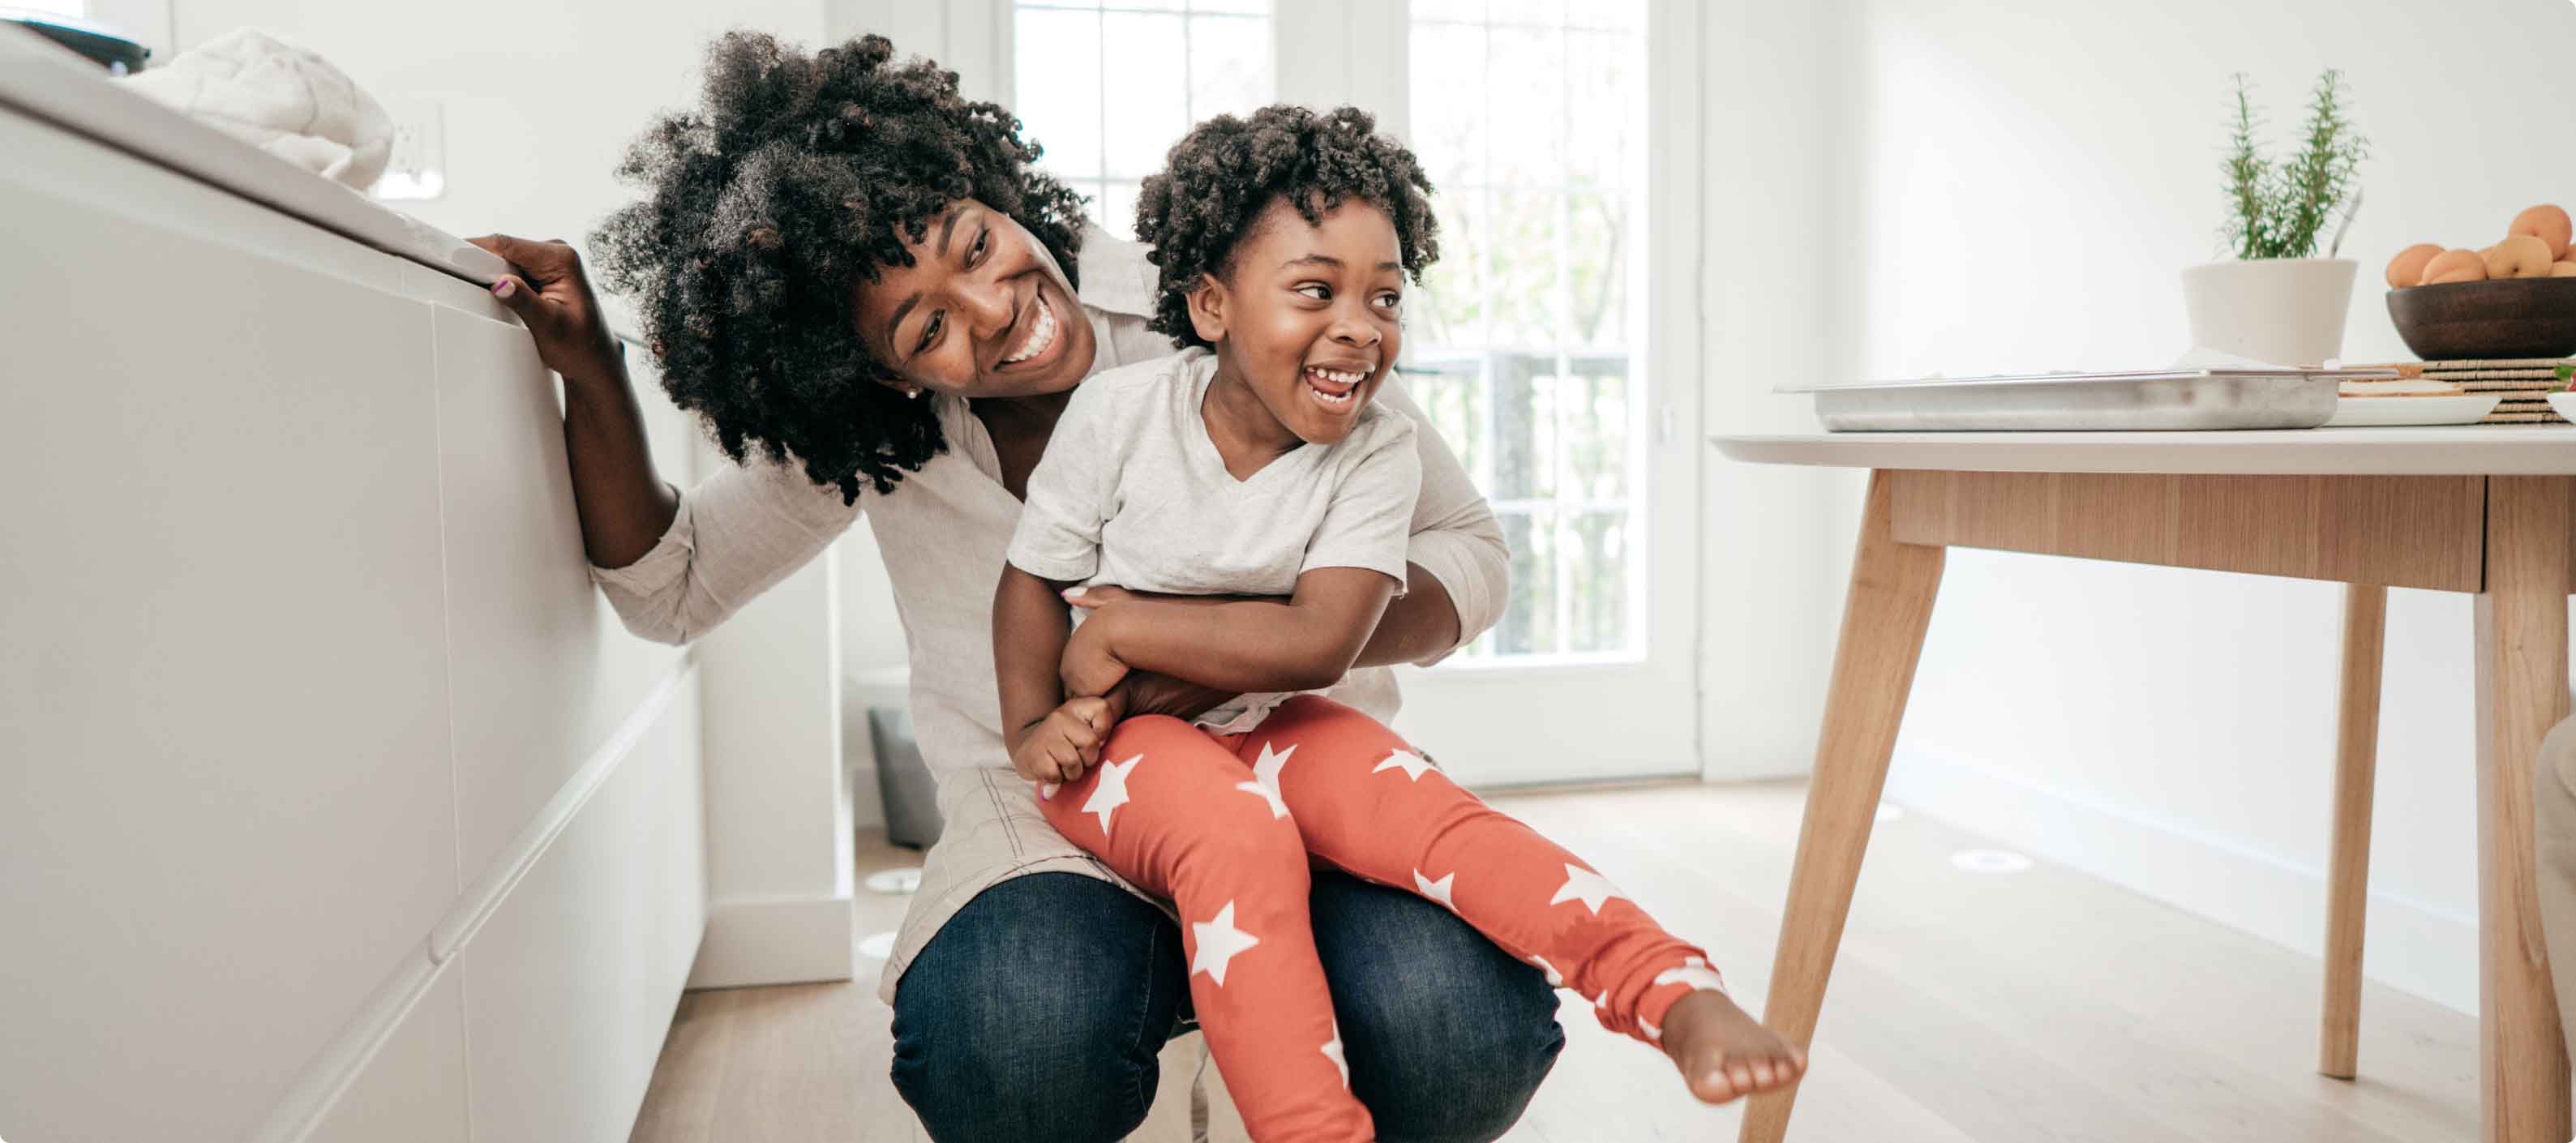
[1225, 826]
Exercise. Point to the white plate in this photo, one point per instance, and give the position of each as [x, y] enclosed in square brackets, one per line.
[2378, 412]
[2565, 403]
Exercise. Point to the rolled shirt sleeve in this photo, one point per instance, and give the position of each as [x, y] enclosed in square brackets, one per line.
[1455, 536]
[1071, 492]
[736, 535]
[1367, 523]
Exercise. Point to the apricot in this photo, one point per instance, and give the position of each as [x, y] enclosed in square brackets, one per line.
[2455, 266]
[2546, 223]
[2521, 256]
[2407, 268]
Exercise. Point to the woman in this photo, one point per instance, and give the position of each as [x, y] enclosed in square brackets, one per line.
[861, 283]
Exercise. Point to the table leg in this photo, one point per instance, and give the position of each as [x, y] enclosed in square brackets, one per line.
[1884, 617]
[2365, 625]
[2521, 693]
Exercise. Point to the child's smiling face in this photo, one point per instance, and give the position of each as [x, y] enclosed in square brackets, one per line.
[1309, 317]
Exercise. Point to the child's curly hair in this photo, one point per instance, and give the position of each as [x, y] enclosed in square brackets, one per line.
[796, 177]
[1219, 178]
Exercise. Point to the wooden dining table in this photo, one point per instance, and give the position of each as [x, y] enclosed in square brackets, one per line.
[2485, 510]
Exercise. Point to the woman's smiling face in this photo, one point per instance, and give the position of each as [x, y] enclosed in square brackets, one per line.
[983, 311]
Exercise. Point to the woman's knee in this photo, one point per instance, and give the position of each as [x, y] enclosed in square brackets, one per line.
[1448, 1035]
[1038, 1012]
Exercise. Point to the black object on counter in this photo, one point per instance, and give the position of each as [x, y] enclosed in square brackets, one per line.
[97, 43]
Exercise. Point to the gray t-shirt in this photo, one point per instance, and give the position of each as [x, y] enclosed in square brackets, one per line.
[1132, 492]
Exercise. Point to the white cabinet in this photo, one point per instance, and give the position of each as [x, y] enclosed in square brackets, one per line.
[326, 779]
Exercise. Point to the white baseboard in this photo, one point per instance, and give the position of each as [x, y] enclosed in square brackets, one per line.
[790, 940]
[2408, 946]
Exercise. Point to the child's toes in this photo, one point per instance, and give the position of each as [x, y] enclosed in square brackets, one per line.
[1712, 1086]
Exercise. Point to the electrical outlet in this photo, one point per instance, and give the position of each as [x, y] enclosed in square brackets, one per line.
[418, 166]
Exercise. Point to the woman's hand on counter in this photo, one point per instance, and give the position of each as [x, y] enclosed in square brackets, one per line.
[552, 296]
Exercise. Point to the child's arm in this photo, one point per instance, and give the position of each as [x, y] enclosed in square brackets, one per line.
[1307, 643]
[1050, 739]
[1056, 545]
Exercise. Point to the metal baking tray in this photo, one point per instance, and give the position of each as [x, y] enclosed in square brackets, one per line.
[2162, 399]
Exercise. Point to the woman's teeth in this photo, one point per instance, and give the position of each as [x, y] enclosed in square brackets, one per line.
[1334, 388]
[1041, 335]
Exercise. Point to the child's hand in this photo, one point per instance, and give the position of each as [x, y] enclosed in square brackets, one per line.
[1060, 746]
[1089, 666]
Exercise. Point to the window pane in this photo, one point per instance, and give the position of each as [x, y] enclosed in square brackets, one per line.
[1595, 415]
[1602, 84]
[1449, 109]
[1596, 551]
[1528, 626]
[1255, 7]
[1525, 396]
[1448, 309]
[1144, 94]
[1057, 85]
[1597, 257]
[1529, 116]
[1116, 208]
[1521, 254]
[1229, 68]
[1530, 109]
[1451, 391]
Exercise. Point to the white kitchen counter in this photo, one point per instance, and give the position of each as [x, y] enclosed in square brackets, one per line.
[2502, 450]
[52, 84]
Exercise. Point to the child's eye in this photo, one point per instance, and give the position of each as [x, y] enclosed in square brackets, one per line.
[1390, 301]
[1316, 291]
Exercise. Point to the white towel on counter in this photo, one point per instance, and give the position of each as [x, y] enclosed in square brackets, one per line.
[281, 99]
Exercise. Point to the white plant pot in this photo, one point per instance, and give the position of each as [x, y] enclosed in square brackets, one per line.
[2283, 311]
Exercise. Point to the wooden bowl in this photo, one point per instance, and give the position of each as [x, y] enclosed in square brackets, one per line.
[2487, 321]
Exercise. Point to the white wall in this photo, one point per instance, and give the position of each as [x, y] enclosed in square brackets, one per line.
[2031, 177]
[1778, 264]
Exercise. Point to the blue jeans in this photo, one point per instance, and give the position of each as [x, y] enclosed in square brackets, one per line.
[1037, 1011]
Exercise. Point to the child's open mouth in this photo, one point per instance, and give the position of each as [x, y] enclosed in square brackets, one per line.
[1335, 389]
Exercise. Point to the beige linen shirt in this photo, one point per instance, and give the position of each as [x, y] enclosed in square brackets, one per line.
[943, 532]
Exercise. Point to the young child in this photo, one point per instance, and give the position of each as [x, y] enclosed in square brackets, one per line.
[1253, 464]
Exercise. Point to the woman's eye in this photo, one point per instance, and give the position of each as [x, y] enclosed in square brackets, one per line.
[930, 330]
[1316, 292]
[977, 254]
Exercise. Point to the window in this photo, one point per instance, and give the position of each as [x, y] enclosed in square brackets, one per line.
[1528, 346]
[1106, 88]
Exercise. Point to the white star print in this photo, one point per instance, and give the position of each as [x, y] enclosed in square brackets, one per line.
[1411, 763]
[1584, 885]
[1333, 1052]
[1218, 941]
[1436, 890]
[1111, 793]
[1602, 1001]
[1652, 1032]
[1268, 793]
[1048, 789]
[1266, 769]
[1554, 978]
[1694, 972]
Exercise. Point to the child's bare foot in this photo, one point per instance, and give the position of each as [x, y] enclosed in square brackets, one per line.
[1725, 1054]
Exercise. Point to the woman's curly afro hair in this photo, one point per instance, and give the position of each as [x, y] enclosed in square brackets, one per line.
[796, 177]
[1220, 178]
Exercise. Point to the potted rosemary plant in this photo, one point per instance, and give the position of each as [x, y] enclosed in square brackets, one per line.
[2274, 299]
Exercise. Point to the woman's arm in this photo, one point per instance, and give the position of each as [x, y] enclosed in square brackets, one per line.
[1459, 571]
[624, 505]
[673, 565]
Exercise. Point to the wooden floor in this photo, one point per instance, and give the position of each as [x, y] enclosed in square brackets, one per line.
[2041, 1005]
